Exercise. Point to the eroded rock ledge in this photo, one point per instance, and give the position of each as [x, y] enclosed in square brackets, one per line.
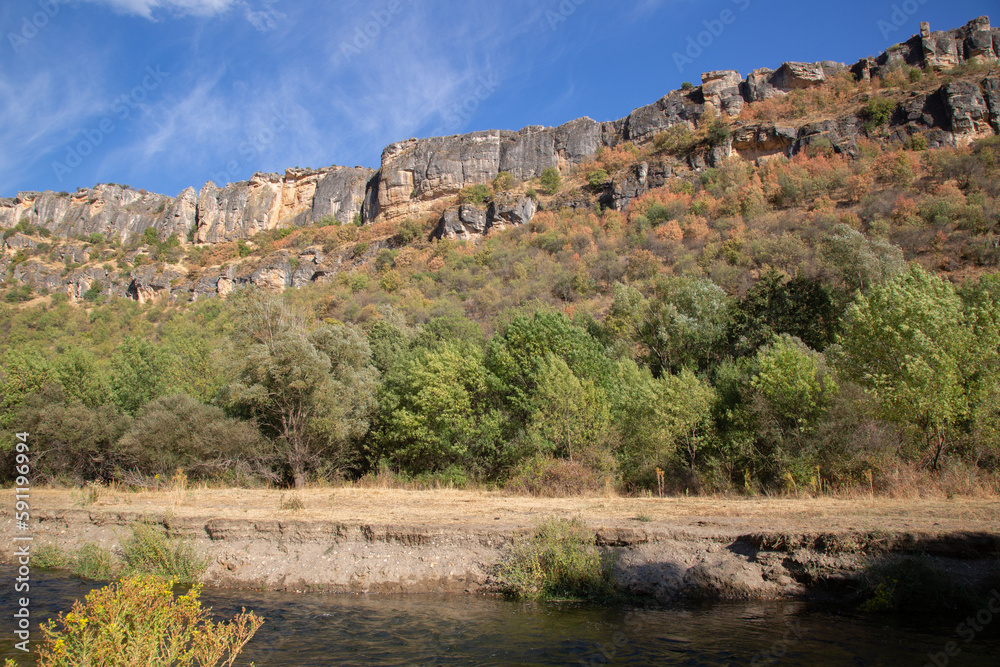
[662, 562]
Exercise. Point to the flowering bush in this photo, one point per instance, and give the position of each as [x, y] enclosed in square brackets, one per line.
[138, 621]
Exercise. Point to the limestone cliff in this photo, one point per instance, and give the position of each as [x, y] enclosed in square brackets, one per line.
[418, 178]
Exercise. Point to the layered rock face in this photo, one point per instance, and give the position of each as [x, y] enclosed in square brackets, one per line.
[267, 201]
[214, 215]
[414, 173]
[113, 210]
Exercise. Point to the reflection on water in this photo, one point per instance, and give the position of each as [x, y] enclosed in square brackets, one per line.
[306, 630]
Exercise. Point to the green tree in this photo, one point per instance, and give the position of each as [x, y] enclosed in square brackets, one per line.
[551, 181]
[658, 419]
[514, 356]
[435, 411]
[140, 372]
[681, 325]
[910, 344]
[453, 328]
[388, 342]
[311, 390]
[83, 380]
[570, 413]
[861, 263]
[640, 432]
[981, 300]
[73, 442]
[800, 307]
[790, 378]
[686, 410]
[21, 374]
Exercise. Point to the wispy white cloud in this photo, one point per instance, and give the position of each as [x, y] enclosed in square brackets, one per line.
[145, 8]
[263, 19]
[223, 132]
[39, 116]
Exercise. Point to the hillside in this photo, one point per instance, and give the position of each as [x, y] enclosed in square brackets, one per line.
[937, 90]
[783, 282]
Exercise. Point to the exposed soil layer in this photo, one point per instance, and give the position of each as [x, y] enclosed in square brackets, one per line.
[362, 540]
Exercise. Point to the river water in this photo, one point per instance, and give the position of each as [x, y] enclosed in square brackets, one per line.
[314, 629]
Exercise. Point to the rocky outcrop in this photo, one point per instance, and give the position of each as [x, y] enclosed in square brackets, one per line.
[966, 109]
[462, 222]
[635, 181]
[149, 284]
[646, 122]
[794, 76]
[340, 194]
[469, 221]
[753, 142]
[417, 172]
[721, 92]
[267, 201]
[976, 42]
[991, 95]
[116, 211]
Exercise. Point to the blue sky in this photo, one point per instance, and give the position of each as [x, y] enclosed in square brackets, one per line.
[166, 94]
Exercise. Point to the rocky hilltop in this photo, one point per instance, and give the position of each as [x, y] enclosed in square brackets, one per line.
[421, 178]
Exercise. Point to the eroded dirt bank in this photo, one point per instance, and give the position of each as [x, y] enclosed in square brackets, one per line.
[391, 541]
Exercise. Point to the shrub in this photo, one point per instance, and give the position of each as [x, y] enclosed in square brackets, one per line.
[243, 249]
[78, 441]
[504, 182]
[474, 194]
[676, 140]
[547, 476]
[94, 562]
[94, 291]
[877, 113]
[137, 621]
[19, 294]
[596, 177]
[558, 561]
[687, 85]
[718, 133]
[149, 551]
[49, 557]
[551, 181]
[181, 433]
[408, 231]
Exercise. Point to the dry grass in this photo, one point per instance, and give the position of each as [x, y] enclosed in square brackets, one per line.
[457, 508]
